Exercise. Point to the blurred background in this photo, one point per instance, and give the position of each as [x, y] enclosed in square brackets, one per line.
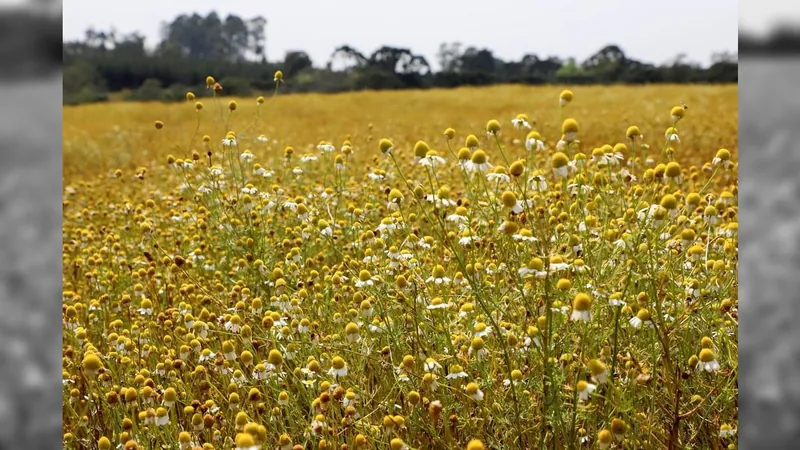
[30, 224]
[769, 245]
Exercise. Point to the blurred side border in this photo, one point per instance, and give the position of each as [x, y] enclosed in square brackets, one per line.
[31, 64]
[30, 43]
[769, 126]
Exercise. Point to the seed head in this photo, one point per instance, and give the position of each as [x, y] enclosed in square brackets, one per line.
[91, 363]
[677, 113]
[596, 367]
[565, 97]
[672, 170]
[385, 145]
[275, 357]
[517, 168]
[479, 157]
[569, 126]
[669, 202]
[560, 160]
[421, 149]
[509, 199]
[337, 363]
[493, 127]
[706, 355]
[475, 445]
[244, 441]
[723, 154]
[582, 302]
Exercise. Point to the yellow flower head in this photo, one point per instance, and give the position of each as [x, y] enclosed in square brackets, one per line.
[565, 96]
[493, 127]
[569, 126]
[475, 445]
[385, 145]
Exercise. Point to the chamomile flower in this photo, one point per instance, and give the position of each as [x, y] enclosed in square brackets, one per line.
[479, 162]
[520, 122]
[474, 391]
[642, 317]
[234, 325]
[726, 431]
[672, 135]
[338, 367]
[459, 216]
[598, 371]
[707, 361]
[534, 267]
[537, 182]
[326, 147]
[722, 158]
[432, 160]
[533, 142]
[585, 389]
[308, 158]
[560, 164]
[456, 372]
[431, 365]
[365, 279]
[438, 276]
[581, 308]
[498, 175]
[438, 303]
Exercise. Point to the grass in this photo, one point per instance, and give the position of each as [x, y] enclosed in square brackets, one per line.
[374, 290]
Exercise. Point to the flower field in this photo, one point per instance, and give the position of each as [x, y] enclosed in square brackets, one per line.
[505, 267]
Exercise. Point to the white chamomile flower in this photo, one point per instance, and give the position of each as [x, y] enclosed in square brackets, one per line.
[585, 389]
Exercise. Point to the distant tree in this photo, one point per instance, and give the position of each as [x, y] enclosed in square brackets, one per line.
[295, 62]
[607, 64]
[449, 57]
[480, 61]
[347, 58]
[256, 34]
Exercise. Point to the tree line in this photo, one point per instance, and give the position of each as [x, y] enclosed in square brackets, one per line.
[233, 49]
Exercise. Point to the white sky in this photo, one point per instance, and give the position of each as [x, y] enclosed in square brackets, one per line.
[646, 30]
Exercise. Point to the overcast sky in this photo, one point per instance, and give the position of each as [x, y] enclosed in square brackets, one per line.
[646, 30]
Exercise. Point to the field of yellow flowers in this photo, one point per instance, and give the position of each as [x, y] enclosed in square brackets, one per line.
[494, 268]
